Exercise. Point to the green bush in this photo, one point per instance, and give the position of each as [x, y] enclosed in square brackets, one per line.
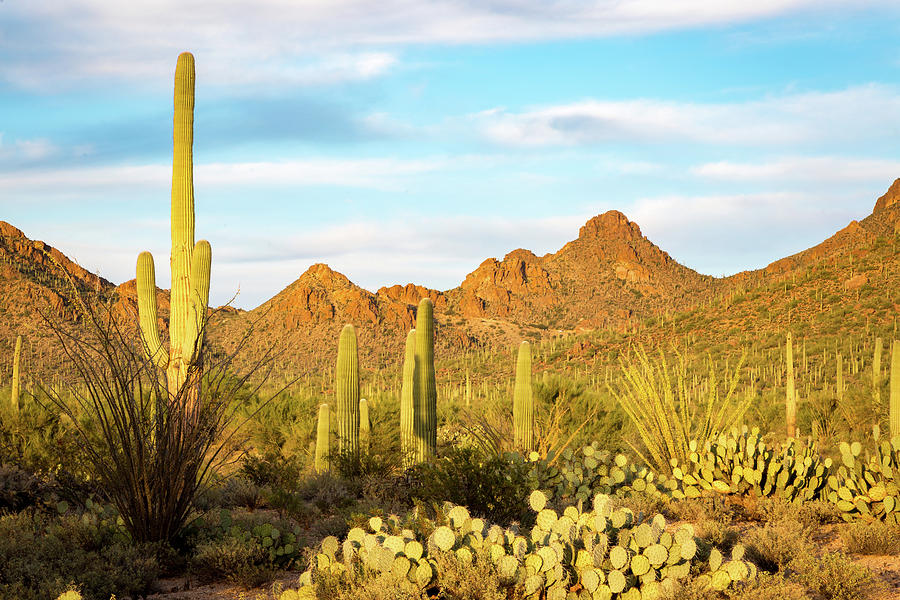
[238, 560]
[491, 486]
[43, 557]
[774, 545]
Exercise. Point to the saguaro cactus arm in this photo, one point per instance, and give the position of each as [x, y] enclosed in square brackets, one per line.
[201, 261]
[147, 310]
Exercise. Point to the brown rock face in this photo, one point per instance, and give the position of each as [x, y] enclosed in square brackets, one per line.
[506, 287]
[890, 198]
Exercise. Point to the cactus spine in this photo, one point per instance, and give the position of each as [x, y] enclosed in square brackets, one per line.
[323, 432]
[190, 262]
[895, 389]
[14, 393]
[365, 426]
[346, 387]
[408, 402]
[426, 395]
[523, 401]
[790, 395]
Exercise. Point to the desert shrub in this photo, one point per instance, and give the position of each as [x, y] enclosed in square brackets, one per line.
[769, 587]
[718, 534]
[478, 581]
[491, 486]
[273, 470]
[810, 514]
[236, 559]
[774, 545]
[20, 489]
[43, 557]
[236, 491]
[360, 585]
[833, 576]
[877, 537]
[764, 587]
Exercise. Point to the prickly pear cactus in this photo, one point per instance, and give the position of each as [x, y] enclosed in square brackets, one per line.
[606, 552]
[869, 487]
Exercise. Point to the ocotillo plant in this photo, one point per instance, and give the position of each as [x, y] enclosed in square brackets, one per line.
[346, 386]
[190, 262]
[365, 426]
[790, 396]
[425, 418]
[523, 401]
[408, 389]
[895, 389]
[323, 438]
[14, 394]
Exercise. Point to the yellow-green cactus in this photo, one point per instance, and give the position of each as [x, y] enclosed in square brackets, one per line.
[523, 401]
[14, 394]
[425, 418]
[346, 387]
[790, 396]
[408, 402]
[190, 262]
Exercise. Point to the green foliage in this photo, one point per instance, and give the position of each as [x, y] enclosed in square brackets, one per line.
[234, 559]
[42, 557]
[833, 576]
[491, 486]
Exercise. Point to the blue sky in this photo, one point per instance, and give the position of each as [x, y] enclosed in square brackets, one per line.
[409, 140]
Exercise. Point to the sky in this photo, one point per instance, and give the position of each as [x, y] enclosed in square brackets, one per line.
[408, 140]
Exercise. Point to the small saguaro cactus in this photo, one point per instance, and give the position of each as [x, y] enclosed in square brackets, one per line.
[840, 376]
[408, 402]
[426, 397]
[790, 395]
[346, 388]
[523, 401]
[323, 438]
[14, 393]
[876, 362]
[190, 262]
[895, 389]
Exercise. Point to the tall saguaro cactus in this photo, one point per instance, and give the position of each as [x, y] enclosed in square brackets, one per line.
[323, 438]
[790, 395]
[346, 388]
[14, 393]
[365, 426]
[426, 397]
[895, 389]
[190, 262]
[523, 401]
[408, 389]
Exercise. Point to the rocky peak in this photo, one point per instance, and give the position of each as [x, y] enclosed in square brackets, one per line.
[890, 198]
[610, 225]
[411, 294]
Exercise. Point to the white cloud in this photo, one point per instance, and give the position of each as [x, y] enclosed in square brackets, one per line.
[806, 169]
[373, 173]
[97, 38]
[721, 234]
[860, 112]
[26, 150]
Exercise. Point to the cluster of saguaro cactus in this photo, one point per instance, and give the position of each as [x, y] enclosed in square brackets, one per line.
[418, 393]
[867, 487]
[346, 386]
[605, 553]
[14, 393]
[741, 463]
[523, 401]
[190, 262]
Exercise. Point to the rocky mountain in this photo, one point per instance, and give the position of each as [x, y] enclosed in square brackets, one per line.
[610, 276]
